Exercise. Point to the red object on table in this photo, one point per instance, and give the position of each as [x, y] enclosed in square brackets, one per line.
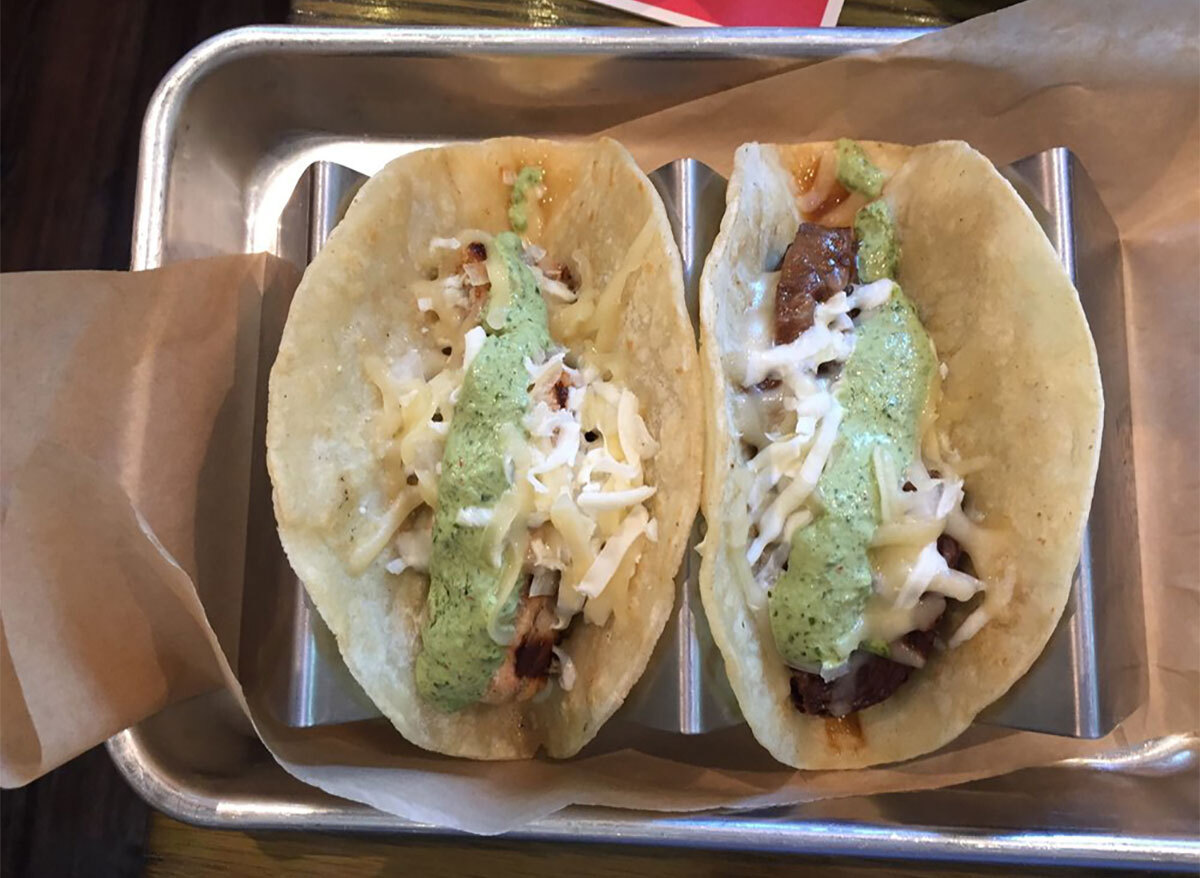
[735, 13]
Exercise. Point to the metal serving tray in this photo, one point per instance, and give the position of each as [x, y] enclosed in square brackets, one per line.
[245, 148]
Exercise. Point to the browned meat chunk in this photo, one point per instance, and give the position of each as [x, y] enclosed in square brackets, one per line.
[818, 264]
[527, 663]
[871, 679]
[950, 551]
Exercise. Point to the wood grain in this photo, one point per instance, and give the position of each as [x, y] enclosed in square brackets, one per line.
[182, 851]
[75, 78]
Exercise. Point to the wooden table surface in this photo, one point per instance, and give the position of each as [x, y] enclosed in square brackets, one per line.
[178, 850]
[77, 75]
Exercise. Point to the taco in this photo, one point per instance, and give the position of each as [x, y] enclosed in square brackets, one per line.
[904, 413]
[481, 435]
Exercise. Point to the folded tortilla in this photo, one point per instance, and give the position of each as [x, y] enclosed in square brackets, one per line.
[359, 303]
[1021, 395]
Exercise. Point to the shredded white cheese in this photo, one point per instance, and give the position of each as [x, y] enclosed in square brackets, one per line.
[613, 551]
[596, 500]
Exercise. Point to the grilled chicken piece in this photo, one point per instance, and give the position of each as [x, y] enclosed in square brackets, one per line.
[475, 253]
[526, 666]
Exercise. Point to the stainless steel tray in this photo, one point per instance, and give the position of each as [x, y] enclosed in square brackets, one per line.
[247, 116]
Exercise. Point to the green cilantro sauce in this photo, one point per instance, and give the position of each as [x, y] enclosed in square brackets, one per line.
[875, 232]
[817, 602]
[528, 179]
[458, 655]
[855, 171]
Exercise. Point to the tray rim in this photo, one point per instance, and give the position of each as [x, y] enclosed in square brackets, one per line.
[715, 830]
[158, 127]
[583, 823]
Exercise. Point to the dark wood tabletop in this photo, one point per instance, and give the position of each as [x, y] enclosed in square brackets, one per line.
[77, 76]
